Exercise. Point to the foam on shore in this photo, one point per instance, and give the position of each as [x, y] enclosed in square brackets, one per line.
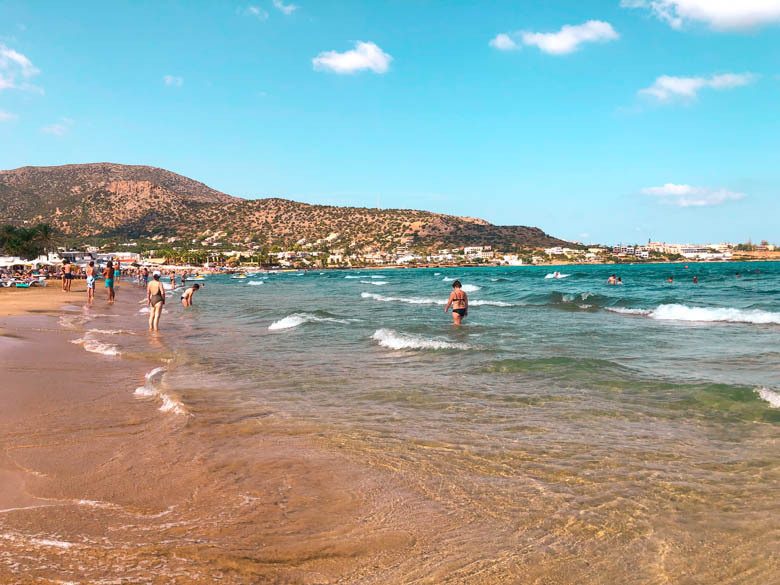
[771, 396]
[95, 346]
[395, 340]
[150, 389]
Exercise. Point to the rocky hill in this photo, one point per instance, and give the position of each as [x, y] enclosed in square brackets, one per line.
[105, 200]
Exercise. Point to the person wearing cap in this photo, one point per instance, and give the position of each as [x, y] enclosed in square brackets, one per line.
[155, 296]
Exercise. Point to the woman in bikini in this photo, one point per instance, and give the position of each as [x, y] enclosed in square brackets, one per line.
[155, 295]
[459, 302]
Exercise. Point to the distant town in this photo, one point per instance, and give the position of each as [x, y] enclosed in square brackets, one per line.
[213, 251]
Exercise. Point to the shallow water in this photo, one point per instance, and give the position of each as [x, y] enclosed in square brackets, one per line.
[568, 432]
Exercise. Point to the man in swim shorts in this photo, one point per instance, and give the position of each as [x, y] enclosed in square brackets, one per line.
[108, 274]
[67, 275]
[459, 302]
[186, 298]
[91, 277]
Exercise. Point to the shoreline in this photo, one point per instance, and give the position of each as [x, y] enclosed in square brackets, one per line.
[99, 482]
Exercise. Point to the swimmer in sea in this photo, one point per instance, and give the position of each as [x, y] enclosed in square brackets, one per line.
[612, 279]
[186, 298]
[670, 279]
[459, 302]
[619, 280]
[695, 280]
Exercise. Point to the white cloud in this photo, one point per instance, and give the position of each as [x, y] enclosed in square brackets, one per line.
[257, 12]
[59, 129]
[363, 56]
[690, 196]
[503, 42]
[287, 9]
[718, 14]
[173, 80]
[6, 116]
[568, 39]
[667, 88]
[13, 66]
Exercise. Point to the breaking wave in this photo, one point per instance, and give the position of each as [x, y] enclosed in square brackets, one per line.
[552, 275]
[395, 340]
[375, 282]
[685, 313]
[255, 282]
[470, 288]
[296, 319]
[772, 397]
[150, 389]
[95, 346]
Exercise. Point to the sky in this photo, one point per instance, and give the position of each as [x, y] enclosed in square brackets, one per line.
[614, 121]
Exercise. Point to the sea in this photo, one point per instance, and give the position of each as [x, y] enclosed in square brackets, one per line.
[569, 431]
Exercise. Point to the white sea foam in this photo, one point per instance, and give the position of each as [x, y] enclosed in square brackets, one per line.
[675, 312]
[255, 282]
[95, 346]
[146, 310]
[150, 389]
[408, 300]
[448, 279]
[437, 273]
[375, 282]
[352, 276]
[296, 319]
[470, 288]
[552, 275]
[424, 301]
[395, 340]
[377, 276]
[625, 311]
[771, 396]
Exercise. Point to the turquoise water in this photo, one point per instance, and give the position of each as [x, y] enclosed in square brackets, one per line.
[568, 432]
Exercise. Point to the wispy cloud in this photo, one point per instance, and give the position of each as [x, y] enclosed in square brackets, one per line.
[6, 116]
[173, 80]
[60, 128]
[718, 14]
[690, 196]
[255, 11]
[287, 9]
[668, 88]
[15, 70]
[365, 56]
[567, 40]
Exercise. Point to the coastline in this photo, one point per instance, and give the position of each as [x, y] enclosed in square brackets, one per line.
[98, 482]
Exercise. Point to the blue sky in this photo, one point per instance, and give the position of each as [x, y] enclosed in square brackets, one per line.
[600, 121]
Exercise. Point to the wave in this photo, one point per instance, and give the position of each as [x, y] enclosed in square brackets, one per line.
[772, 397]
[377, 276]
[95, 346]
[470, 288]
[375, 282]
[395, 340]
[255, 282]
[552, 275]
[448, 279]
[352, 276]
[437, 273]
[151, 390]
[424, 301]
[676, 312]
[625, 311]
[296, 319]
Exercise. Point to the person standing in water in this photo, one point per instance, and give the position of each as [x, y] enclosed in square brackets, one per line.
[67, 275]
[91, 278]
[155, 296]
[695, 280]
[459, 302]
[612, 279]
[186, 298]
[108, 274]
[117, 271]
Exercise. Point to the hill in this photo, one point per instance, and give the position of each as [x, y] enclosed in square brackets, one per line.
[105, 200]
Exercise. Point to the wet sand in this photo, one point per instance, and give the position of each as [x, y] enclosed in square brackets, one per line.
[97, 485]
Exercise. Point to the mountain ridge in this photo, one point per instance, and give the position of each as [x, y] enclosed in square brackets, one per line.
[110, 200]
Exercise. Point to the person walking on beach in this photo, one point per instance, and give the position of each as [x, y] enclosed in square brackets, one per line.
[186, 298]
[108, 274]
[144, 277]
[459, 302]
[67, 275]
[155, 296]
[173, 279]
[117, 271]
[91, 277]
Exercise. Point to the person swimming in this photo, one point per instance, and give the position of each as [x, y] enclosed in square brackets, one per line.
[612, 279]
[459, 302]
[695, 280]
[619, 280]
[670, 279]
[186, 298]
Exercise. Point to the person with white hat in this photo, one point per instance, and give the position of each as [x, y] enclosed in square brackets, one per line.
[155, 295]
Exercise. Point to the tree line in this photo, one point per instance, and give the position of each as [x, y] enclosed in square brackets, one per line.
[26, 243]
